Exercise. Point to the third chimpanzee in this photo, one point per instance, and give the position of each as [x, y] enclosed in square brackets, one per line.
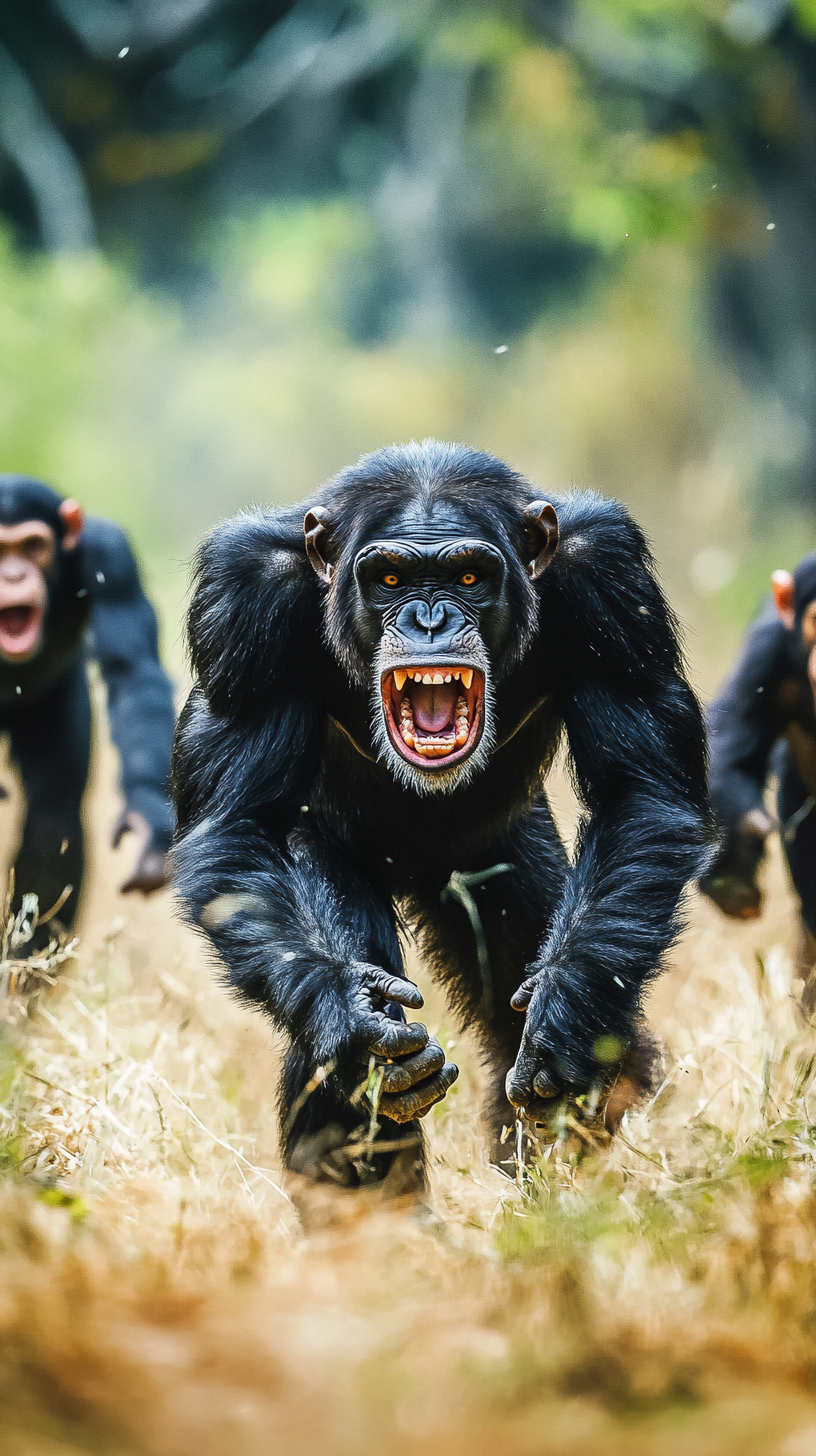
[763, 720]
[384, 675]
[68, 584]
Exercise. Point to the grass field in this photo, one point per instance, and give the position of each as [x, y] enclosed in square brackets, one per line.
[158, 1295]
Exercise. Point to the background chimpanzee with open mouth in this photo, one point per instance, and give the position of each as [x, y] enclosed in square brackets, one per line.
[70, 590]
[384, 675]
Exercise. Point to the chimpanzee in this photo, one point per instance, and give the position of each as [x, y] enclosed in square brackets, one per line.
[60, 575]
[763, 720]
[383, 677]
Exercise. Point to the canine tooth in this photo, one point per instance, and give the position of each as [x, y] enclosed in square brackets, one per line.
[438, 678]
[399, 680]
[467, 676]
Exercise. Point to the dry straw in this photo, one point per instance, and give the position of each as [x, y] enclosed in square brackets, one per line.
[157, 1293]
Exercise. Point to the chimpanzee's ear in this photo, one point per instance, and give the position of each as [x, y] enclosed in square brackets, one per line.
[317, 528]
[541, 531]
[784, 592]
[73, 516]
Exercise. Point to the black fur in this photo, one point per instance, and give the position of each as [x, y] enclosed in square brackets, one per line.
[296, 841]
[96, 608]
[762, 722]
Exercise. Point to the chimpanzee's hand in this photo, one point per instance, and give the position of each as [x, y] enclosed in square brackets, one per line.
[150, 871]
[560, 1053]
[731, 878]
[415, 1073]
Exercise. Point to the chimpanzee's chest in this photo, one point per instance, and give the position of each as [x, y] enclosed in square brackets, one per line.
[404, 839]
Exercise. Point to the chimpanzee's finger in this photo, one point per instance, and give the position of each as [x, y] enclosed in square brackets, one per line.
[394, 988]
[149, 874]
[400, 1075]
[519, 1090]
[388, 1038]
[405, 1106]
[532, 1075]
[544, 1085]
[524, 995]
[519, 1083]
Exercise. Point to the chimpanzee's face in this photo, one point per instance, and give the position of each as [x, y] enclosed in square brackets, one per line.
[425, 613]
[436, 603]
[29, 558]
[27, 553]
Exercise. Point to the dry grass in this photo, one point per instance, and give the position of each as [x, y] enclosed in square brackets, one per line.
[157, 1294]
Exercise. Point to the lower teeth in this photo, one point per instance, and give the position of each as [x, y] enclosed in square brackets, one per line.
[433, 746]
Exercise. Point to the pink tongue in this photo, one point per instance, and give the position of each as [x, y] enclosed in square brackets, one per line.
[433, 708]
[15, 620]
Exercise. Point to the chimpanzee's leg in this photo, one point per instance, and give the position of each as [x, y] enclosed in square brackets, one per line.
[797, 822]
[319, 1124]
[515, 909]
[51, 742]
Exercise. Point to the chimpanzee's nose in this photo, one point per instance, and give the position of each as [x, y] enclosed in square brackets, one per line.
[424, 620]
[430, 618]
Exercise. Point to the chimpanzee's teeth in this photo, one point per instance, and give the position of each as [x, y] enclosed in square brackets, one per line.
[435, 745]
[462, 726]
[433, 679]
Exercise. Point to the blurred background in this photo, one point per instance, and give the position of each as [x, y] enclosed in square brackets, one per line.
[244, 241]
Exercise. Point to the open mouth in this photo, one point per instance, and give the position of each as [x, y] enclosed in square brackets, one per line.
[19, 630]
[435, 715]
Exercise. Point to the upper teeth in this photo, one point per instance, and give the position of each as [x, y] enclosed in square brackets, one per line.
[433, 679]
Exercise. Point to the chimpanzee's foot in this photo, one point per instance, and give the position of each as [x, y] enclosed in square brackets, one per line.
[336, 1176]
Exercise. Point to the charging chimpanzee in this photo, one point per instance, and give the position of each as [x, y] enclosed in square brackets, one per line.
[381, 690]
[764, 720]
[61, 574]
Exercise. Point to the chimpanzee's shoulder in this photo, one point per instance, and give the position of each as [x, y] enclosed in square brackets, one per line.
[768, 652]
[254, 615]
[107, 563]
[597, 533]
[255, 547]
[601, 593]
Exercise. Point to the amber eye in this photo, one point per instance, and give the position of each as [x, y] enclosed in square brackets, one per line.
[469, 579]
[390, 579]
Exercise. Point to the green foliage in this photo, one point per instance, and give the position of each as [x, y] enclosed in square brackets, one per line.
[61, 1198]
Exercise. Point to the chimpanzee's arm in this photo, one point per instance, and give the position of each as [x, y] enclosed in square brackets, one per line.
[140, 696]
[638, 748]
[323, 962]
[744, 724]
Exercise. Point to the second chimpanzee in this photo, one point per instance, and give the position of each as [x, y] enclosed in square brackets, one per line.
[69, 586]
[764, 721]
[384, 675]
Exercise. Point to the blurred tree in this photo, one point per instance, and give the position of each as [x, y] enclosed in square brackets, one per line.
[499, 157]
